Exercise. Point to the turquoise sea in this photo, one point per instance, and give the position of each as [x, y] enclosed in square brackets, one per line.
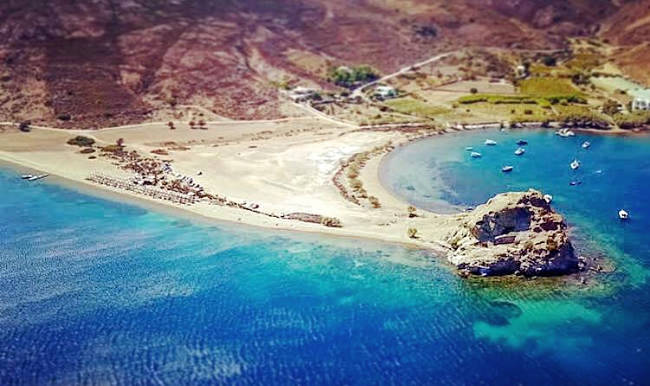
[94, 291]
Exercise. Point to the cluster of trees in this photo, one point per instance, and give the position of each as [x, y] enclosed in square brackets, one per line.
[350, 77]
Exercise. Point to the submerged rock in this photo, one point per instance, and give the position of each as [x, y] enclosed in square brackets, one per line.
[513, 233]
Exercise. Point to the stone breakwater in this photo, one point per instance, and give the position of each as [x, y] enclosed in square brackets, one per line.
[513, 233]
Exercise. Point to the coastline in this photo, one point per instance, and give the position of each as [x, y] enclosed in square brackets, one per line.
[308, 156]
[225, 216]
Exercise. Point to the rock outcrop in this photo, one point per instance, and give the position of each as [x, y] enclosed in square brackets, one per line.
[513, 233]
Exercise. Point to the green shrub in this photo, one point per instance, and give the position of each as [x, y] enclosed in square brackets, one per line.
[348, 77]
[81, 141]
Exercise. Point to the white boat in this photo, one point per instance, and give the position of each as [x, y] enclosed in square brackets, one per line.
[469, 148]
[26, 176]
[586, 145]
[475, 154]
[490, 142]
[507, 169]
[548, 198]
[565, 133]
[35, 178]
[623, 215]
[575, 164]
[520, 151]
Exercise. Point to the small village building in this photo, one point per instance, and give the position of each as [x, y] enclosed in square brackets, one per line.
[641, 104]
[301, 94]
[521, 71]
[641, 101]
[385, 92]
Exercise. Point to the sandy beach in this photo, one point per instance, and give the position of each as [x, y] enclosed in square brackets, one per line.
[277, 167]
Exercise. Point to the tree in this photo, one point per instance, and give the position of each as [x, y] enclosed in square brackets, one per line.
[171, 125]
[24, 126]
[610, 107]
[412, 211]
[412, 233]
[549, 61]
[473, 90]
[120, 142]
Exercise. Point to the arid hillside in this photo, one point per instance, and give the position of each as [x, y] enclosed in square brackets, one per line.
[630, 30]
[111, 62]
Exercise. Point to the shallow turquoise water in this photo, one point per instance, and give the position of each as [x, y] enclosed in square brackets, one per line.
[94, 291]
[439, 174]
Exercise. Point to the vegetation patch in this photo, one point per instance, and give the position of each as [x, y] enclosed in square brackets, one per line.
[632, 120]
[81, 141]
[351, 77]
[547, 87]
[496, 99]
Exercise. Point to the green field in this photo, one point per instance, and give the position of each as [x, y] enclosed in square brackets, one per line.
[545, 87]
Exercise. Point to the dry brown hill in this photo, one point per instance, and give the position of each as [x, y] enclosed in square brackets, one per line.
[109, 62]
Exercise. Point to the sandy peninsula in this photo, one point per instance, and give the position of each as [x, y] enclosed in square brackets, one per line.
[279, 168]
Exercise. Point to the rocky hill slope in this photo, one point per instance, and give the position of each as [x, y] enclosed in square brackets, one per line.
[109, 62]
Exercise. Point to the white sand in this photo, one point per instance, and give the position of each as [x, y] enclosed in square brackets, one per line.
[283, 167]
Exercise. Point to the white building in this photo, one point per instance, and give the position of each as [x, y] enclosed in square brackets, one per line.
[300, 94]
[385, 92]
[641, 99]
[641, 104]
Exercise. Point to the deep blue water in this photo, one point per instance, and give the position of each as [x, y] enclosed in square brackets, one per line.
[95, 291]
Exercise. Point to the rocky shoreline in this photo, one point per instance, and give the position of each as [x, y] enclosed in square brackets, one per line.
[513, 233]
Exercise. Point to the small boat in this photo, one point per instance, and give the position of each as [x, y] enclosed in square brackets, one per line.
[565, 133]
[575, 183]
[490, 142]
[475, 154]
[506, 169]
[575, 164]
[36, 178]
[521, 142]
[623, 215]
[26, 176]
[520, 151]
[548, 198]
[586, 145]
[469, 148]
